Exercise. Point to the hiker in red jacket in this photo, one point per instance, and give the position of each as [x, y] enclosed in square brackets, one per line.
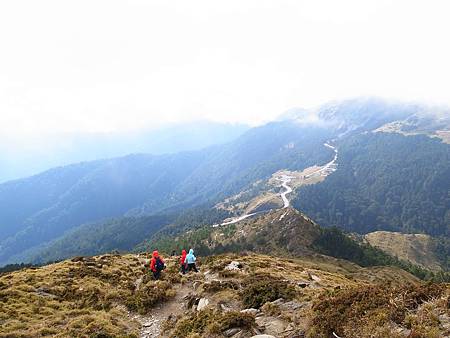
[183, 261]
[156, 264]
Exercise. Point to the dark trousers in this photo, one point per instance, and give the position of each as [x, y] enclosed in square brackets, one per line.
[156, 274]
[183, 268]
[191, 266]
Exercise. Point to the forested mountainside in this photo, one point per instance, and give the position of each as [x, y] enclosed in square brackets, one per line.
[284, 232]
[43, 207]
[120, 234]
[384, 182]
[392, 172]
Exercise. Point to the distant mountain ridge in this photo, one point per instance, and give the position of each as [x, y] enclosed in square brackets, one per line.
[286, 233]
[371, 113]
[385, 180]
[43, 207]
[30, 155]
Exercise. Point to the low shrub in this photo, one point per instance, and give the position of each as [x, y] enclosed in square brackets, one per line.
[370, 306]
[260, 289]
[209, 322]
[149, 295]
[216, 285]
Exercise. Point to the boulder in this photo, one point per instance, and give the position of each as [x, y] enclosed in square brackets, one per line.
[251, 311]
[202, 304]
[278, 302]
[292, 305]
[315, 278]
[234, 266]
[45, 292]
[271, 325]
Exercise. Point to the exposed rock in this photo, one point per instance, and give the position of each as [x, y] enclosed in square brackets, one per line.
[191, 301]
[234, 266]
[315, 278]
[279, 301]
[137, 283]
[231, 332]
[45, 292]
[251, 311]
[271, 325]
[292, 305]
[203, 303]
[225, 308]
[196, 284]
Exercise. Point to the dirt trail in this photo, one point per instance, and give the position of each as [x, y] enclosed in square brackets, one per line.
[151, 323]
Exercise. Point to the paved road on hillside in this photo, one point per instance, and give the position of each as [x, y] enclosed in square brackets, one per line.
[285, 179]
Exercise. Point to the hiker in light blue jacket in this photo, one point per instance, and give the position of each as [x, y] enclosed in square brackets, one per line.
[190, 260]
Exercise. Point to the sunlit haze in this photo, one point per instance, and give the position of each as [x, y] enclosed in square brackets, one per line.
[94, 66]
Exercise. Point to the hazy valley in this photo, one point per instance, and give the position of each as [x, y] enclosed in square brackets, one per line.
[323, 215]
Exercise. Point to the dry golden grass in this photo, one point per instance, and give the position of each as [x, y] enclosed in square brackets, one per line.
[380, 311]
[308, 281]
[81, 298]
[91, 298]
[415, 248]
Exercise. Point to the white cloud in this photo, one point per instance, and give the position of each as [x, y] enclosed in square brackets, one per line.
[114, 65]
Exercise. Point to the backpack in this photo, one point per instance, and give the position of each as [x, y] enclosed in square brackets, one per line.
[159, 265]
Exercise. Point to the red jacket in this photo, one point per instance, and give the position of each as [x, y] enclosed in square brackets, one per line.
[153, 260]
[183, 257]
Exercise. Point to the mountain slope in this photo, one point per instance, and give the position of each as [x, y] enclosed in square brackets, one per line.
[419, 249]
[384, 182]
[114, 295]
[120, 234]
[285, 232]
[396, 181]
[43, 207]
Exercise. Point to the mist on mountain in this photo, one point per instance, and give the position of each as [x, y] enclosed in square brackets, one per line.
[22, 156]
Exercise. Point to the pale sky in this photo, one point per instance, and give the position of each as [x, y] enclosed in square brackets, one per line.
[118, 65]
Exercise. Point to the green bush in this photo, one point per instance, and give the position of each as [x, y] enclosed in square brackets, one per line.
[210, 322]
[261, 289]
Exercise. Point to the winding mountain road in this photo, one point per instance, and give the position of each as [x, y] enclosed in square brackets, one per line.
[285, 179]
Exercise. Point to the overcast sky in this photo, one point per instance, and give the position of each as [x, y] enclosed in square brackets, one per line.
[116, 65]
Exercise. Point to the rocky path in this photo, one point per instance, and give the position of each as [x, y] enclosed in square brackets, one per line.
[151, 323]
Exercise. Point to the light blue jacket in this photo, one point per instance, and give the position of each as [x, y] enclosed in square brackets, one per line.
[190, 258]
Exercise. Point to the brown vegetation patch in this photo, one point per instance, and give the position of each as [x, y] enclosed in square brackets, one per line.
[150, 294]
[211, 322]
[217, 285]
[358, 311]
[80, 298]
[261, 288]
